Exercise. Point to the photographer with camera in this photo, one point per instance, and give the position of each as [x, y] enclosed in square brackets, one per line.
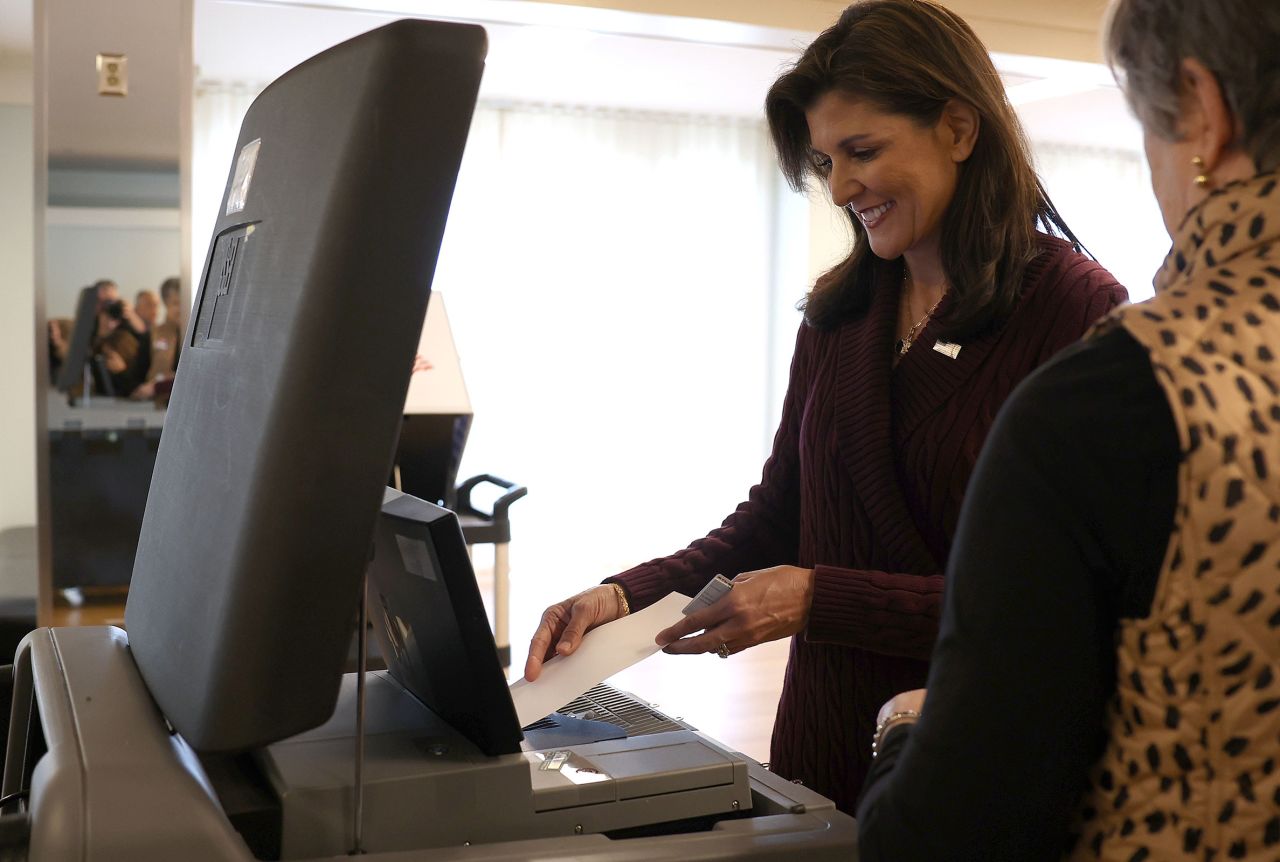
[113, 311]
[122, 339]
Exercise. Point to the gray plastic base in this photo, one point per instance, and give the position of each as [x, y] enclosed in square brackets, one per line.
[116, 784]
[427, 786]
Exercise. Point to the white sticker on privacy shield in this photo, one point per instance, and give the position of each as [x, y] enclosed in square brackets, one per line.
[415, 556]
[243, 177]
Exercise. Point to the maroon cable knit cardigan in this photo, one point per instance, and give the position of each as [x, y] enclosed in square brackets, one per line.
[864, 485]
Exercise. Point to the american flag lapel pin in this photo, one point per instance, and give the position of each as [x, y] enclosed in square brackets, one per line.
[947, 348]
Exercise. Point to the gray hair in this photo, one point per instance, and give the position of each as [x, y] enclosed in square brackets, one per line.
[1237, 40]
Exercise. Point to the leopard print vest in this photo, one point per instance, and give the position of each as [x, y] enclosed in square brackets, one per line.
[1190, 768]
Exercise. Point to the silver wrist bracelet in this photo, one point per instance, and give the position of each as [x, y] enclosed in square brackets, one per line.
[905, 716]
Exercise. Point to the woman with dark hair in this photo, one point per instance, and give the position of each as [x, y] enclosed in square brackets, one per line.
[949, 297]
[1106, 682]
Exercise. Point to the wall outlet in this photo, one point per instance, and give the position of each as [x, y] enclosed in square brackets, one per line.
[113, 75]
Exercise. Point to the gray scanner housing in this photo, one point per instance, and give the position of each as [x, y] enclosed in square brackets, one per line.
[117, 784]
[428, 786]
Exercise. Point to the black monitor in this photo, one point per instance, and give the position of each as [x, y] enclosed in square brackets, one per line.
[79, 343]
[282, 425]
[431, 625]
[429, 453]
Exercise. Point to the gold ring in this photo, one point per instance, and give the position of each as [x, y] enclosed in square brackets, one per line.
[723, 650]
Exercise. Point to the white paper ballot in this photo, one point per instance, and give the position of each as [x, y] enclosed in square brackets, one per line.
[604, 651]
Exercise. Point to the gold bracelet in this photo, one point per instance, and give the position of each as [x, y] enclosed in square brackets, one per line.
[622, 598]
[905, 716]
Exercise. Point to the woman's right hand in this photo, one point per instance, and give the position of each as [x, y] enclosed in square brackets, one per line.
[564, 624]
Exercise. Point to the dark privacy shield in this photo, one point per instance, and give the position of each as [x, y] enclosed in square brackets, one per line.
[283, 420]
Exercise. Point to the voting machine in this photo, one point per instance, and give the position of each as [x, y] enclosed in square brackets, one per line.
[221, 727]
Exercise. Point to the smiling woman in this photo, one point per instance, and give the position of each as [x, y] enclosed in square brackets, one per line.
[841, 545]
[936, 107]
[897, 178]
[890, 169]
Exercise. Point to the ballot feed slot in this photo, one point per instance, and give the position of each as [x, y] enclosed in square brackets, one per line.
[416, 762]
[622, 769]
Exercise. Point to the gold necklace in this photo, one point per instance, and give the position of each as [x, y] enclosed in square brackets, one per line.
[904, 343]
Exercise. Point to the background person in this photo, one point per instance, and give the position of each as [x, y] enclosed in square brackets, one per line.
[147, 305]
[59, 344]
[909, 346]
[1107, 677]
[171, 297]
[166, 344]
[122, 340]
[122, 357]
[114, 311]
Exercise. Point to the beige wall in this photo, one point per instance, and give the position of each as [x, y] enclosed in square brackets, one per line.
[1068, 29]
[17, 331]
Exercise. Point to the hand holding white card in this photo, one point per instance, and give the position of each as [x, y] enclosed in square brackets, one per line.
[604, 651]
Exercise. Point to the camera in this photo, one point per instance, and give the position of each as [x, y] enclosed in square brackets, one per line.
[114, 309]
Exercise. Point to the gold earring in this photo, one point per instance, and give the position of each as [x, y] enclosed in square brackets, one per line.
[1202, 179]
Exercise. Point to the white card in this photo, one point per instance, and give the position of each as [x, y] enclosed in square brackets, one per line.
[604, 651]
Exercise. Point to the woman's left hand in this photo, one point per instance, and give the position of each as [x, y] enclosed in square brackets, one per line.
[907, 701]
[763, 606]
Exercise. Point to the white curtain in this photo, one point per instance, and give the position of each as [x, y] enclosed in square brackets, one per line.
[218, 111]
[1105, 197]
[618, 289]
[621, 289]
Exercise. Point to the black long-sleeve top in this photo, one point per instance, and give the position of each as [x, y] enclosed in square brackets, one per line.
[1062, 535]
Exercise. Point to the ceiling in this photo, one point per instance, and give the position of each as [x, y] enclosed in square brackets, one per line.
[711, 56]
[588, 58]
[1066, 29]
[636, 59]
[1056, 28]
